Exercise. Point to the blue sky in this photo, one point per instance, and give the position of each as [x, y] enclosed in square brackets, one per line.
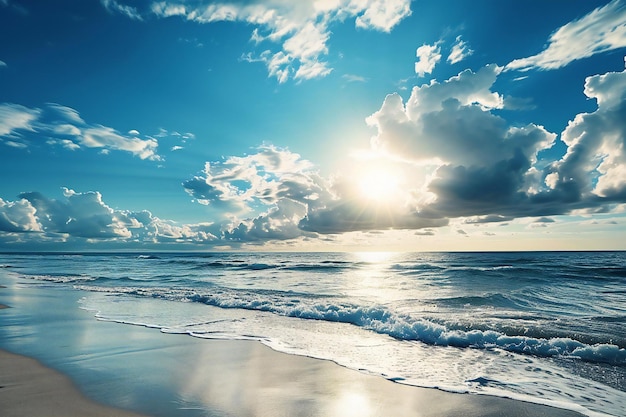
[312, 125]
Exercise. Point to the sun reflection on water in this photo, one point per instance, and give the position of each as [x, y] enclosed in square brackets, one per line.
[374, 257]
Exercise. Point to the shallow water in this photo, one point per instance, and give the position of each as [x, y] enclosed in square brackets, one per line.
[544, 327]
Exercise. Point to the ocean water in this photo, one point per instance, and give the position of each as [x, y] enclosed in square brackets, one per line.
[545, 327]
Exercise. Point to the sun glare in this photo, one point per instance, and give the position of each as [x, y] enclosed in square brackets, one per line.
[374, 257]
[378, 185]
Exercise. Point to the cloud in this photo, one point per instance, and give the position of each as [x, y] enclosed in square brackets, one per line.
[86, 217]
[427, 57]
[352, 78]
[602, 30]
[380, 14]
[459, 51]
[299, 29]
[109, 139]
[3, 64]
[594, 166]
[115, 7]
[261, 179]
[63, 126]
[452, 154]
[459, 157]
[452, 112]
[486, 169]
[14, 117]
[80, 215]
[18, 216]
[492, 218]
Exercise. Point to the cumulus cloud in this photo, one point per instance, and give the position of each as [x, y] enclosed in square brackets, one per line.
[79, 214]
[18, 216]
[63, 126]
[428, 56]
[266, 179]
[445, 111]
[460, 160]
[486, 169]
[602, 30]
[594, 166]
[294, 35]
[86, 217]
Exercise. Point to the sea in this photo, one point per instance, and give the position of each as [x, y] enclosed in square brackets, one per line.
[544, 327]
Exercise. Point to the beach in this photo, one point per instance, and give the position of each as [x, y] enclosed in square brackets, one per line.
[86, 365]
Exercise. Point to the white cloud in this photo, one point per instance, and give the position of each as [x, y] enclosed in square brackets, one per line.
[488, 170]
[602, 30]
[109, 139]
[427, 57]
[18, 216]
[262, 179]
[479, 162]
[3, 64]
[64, 126]
[353, 78]
[459, 51]
[17, 145]
[128, 11]
[381, 14]
[595, 162]
[14, 117]
[86, 217]
[444, 109]
[300, 29]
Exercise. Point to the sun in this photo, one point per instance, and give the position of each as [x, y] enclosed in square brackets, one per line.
[378, 184]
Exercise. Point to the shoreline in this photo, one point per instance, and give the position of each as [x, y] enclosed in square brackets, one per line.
[175, 375]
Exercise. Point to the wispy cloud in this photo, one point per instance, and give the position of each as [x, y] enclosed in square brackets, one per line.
[460, 51]
[352, 78]
[114, 6]
[602, 30]
[64, 126]
[14, 117]
[300, 29]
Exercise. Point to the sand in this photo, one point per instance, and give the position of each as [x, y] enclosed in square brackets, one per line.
[29, 389]
[155, 374]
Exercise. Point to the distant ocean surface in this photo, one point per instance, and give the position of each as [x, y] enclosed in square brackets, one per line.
[546, 327]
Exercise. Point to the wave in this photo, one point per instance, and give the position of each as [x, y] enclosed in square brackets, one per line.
[260, 266]
[489, 300]
[381, 320]
[147, 257]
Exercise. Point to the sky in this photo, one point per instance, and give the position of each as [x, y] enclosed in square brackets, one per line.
[312, 125]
